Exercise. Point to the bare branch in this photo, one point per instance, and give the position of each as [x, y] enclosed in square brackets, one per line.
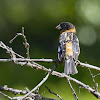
[95, 84]
[89, 66]
[48, 60]
[74, 94]
[14, 37]
[27, 46]
[13, 91]
[9, 50]
[35, 65]
[53, 93]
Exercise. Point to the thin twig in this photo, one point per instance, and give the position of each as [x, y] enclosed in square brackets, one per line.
[74, 94]
[53, 93]
[95, 84]
[89, 66]
[13, 91]
[27, 46]
[96, 75]
[8, 49]
[14, 37]
[6, 95]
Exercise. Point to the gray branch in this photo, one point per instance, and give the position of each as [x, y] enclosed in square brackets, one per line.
[22, 59]
[28, 60]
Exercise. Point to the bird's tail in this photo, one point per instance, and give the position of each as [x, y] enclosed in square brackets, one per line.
[70, 66]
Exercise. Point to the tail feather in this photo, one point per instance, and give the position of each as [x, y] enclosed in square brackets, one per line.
[70, 67]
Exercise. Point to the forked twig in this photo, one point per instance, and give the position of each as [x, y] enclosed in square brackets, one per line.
[95, 84]
[27, 46]
[96, 75]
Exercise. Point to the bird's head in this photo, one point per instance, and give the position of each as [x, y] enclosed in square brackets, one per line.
[66, 27]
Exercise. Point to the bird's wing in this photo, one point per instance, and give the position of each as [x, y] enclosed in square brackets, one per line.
[75, 47]
[61, 47]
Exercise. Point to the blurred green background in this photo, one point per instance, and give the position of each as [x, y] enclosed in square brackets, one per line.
[40, 17]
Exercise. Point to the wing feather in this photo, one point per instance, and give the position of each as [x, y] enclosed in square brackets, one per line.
[75, 47]
[61, 47]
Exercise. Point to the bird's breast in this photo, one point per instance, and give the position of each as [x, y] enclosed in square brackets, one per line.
[69, 51]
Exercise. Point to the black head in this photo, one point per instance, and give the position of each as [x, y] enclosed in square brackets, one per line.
[65, 26]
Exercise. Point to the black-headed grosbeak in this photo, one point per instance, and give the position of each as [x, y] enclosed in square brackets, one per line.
[68, 49]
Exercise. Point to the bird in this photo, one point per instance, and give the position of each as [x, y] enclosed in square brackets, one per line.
[68, 49]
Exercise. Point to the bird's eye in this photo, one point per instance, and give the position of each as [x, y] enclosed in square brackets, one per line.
[64, 25]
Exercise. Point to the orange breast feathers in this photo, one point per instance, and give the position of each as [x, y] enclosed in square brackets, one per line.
[69, 51]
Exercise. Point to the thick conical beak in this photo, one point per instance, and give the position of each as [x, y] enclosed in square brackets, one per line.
[58, 27]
